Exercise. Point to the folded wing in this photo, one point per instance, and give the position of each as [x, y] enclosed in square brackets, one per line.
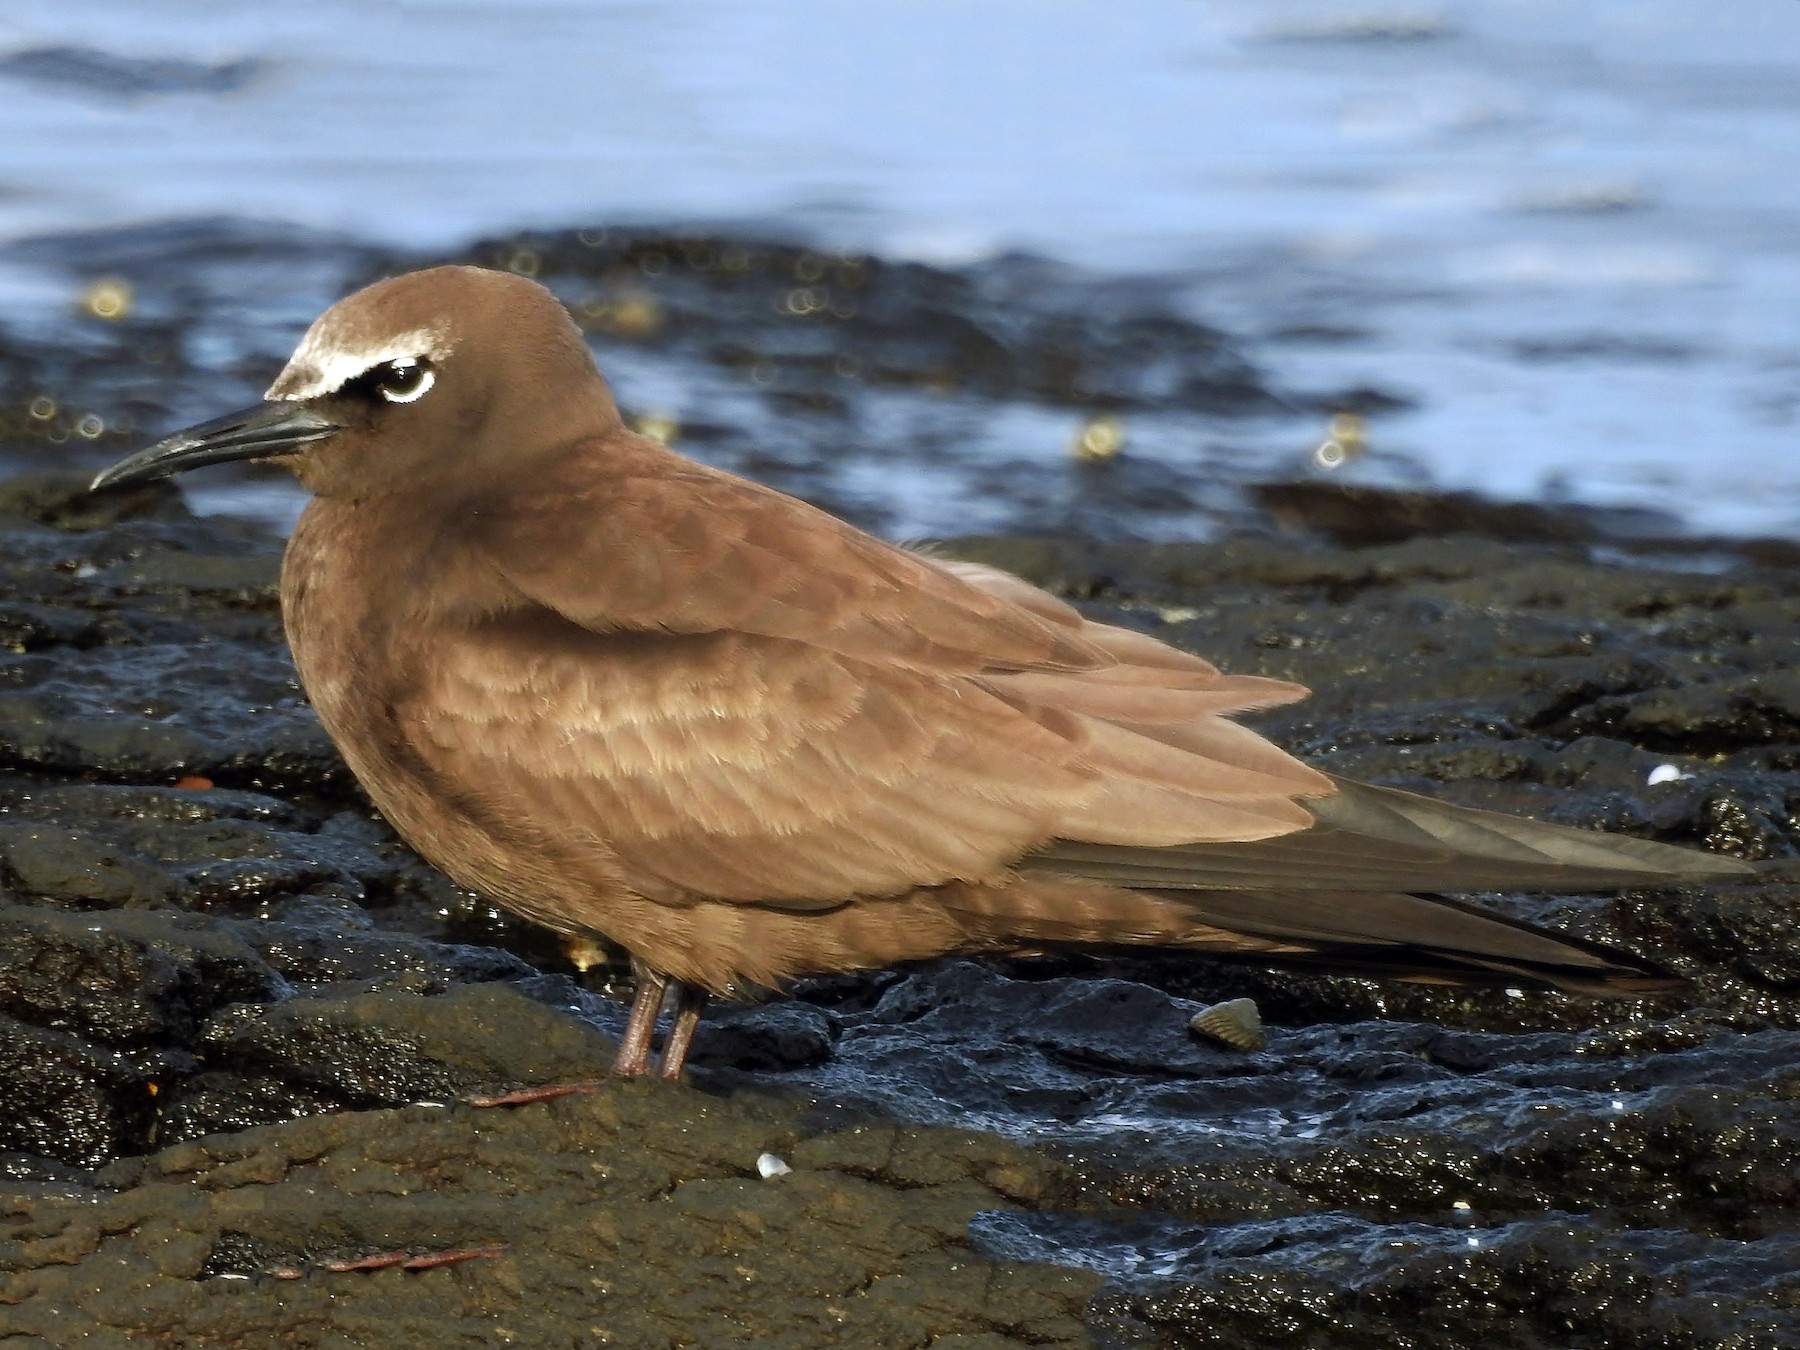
[732, 696]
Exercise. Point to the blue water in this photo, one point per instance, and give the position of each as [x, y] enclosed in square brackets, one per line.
[1568, 232]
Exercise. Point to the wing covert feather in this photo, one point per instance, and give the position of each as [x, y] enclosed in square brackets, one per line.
[686, 760]
[673, 546]
[740, 697]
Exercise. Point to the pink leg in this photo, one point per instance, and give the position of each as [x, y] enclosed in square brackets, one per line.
[640, 1027]
[688, 1003]
[634, 1048]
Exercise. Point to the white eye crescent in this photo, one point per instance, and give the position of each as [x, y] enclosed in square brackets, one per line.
[404, 381]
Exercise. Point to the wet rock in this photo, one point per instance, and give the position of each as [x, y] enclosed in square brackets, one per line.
[1546, 1283]
[65, 1098]
[140, 619]
[1357, 516]
[259, 974]
[632, 1217]
[61, 500]
[73, 867]
[399, 1045]
[777, 1037]
[188, 963]
[123, 980]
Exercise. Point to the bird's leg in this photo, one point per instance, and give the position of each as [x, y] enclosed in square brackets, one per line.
[688, 1004]
[633, 1060]
[640, 1027]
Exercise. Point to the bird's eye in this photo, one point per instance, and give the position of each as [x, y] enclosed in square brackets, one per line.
[403, 381]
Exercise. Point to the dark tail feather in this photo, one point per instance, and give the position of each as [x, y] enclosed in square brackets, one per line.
[1423, 938]
[1411, 937]
[1360, 891]
[1372, 838]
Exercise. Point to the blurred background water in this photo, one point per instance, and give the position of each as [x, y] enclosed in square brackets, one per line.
[1562, 234]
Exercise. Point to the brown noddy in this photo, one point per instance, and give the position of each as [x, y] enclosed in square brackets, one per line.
[623, 693]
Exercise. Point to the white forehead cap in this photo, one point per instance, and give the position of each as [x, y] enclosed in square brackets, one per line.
[328, 358]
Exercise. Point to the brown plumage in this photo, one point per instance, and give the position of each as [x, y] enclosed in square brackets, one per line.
[624, 693]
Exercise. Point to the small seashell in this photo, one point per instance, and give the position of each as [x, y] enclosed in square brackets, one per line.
[768, 1165]
[1667, 773]
[1236, 1023]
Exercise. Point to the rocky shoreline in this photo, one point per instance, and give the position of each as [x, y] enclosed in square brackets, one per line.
[239, 1020]
[240, 1023]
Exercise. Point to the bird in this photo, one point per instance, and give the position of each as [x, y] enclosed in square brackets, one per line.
[627, 695]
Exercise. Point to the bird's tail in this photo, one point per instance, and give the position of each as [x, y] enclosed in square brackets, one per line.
[1422, 938]
[1360, 891]
[1372, 838]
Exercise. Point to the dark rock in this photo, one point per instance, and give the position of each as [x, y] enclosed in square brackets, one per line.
[74, 868]
[62, 501]
[1528, 1286]
[760, 1040]
[1359, 516]
[259, 968]
[574, 1218]
[67, 1099]
[192, 960]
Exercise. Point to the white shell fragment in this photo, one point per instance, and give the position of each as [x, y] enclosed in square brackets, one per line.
[1666, 773]
[768, 1165]
[1237, 1023]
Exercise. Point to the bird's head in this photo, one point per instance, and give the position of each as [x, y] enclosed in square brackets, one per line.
[447, 374]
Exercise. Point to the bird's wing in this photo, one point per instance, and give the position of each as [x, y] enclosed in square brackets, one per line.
[737, 697]
[1372, 837]
[738, 767]
[662, 544]
[735, 766]
[727, 695]
[1364, 836]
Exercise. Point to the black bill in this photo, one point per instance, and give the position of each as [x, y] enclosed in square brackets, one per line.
[268, 429]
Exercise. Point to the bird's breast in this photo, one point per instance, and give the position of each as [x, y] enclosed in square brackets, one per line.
[367, 594]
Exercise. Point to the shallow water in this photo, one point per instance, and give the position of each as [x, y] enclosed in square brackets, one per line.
[1561, 232]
